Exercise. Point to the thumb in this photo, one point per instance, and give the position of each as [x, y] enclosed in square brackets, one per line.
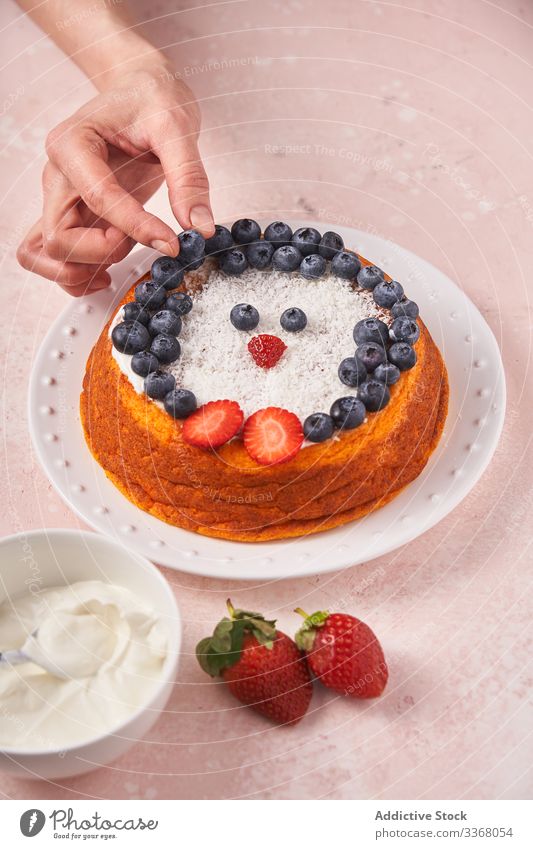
[188, 186]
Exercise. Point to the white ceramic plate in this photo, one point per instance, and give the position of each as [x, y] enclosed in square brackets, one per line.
[475, 418]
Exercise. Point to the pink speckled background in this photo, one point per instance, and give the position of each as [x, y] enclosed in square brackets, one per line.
[421, 114]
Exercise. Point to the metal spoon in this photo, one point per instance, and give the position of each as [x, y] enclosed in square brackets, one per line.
[14, 657]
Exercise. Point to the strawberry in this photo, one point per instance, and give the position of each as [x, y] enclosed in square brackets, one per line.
[272, 436]
[266, 350]
[262, 667]
[344, 653]
[213, 424]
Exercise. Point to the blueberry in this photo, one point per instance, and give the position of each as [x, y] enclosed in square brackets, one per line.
[318, 427]
[352, 372]
[143, 362]
[371, 355]
[405, 307]
[129, 337]
[347, 413]
[404, 329]
[165, 321]
[150, 294]
[180, 403]
[165, 347]
[194, 264]
[401, 354]
[371, 330]
[192, 247]
[220, 241]
[330, 244]
[293, 320]
[259, 254]
[245, 230]
[167, 271]
[136, 312]
[346, 264]
[158, 384]
[374, 395]
[179, 303]
[233, 261]
[244, 317]
[370, 276]
[387, 373]
[307, 240]
[313, 266]
[286, 258]
[278, 233]
[387, 293]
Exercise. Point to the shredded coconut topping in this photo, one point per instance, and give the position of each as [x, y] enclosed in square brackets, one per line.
[215, 362]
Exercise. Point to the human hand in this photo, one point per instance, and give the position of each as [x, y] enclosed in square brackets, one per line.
[104, 163]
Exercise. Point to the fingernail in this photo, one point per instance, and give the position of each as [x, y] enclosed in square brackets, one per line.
[202, 218]
[162, 247]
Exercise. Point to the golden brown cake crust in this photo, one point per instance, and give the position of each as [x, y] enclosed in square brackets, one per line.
[225, 493]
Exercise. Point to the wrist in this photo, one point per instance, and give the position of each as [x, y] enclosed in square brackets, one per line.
[124, 58]
[107, 46]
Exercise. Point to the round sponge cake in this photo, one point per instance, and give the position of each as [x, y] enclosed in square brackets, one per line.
[225, 492]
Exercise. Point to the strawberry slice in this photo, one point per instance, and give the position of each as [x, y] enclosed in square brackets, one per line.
[272, 436]
[266, 350]
[213, 424]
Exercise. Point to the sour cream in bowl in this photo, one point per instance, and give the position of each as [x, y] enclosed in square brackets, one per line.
[101, 631]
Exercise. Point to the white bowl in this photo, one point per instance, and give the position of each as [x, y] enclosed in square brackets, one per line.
[38, 559]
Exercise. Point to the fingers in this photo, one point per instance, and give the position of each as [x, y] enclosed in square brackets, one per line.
[90, 245]
[75, 278]
[188, 186]
[80, 154]
[63, 237]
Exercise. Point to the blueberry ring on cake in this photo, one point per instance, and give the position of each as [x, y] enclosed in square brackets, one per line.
[263, 385]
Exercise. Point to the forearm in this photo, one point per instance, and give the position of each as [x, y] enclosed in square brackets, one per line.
[97, 36]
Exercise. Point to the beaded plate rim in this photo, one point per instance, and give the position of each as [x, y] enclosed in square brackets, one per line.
[473, 427]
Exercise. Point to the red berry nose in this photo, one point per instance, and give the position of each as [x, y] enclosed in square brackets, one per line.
[266, 350]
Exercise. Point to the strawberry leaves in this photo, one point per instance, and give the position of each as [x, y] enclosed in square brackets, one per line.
[305, 637]
[223, 648]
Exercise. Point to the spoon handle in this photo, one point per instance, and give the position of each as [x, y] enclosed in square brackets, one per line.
[12, 658]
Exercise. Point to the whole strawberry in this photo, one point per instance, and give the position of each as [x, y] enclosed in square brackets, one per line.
[263, 667]
[344, 653]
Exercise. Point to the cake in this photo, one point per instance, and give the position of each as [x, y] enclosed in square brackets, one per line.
[263, 386]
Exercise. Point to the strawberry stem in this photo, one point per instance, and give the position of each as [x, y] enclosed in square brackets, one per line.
[231, 609]
[301, 612]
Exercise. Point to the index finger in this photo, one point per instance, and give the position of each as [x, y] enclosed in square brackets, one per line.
[80, 155]
[66, 237]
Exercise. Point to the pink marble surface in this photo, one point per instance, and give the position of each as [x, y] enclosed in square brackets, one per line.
[413, 120]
